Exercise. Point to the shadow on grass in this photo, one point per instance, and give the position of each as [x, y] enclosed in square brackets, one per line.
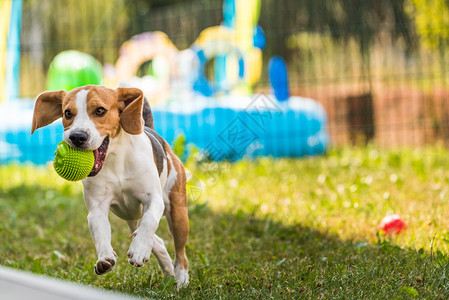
[231, 255]
[241, 255]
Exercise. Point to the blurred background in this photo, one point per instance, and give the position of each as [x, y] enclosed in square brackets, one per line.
[377, 69]
[361, 85]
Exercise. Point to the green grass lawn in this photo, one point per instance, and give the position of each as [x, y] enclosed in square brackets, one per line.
[284, 228]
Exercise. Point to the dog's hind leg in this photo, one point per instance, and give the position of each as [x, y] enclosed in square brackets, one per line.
[162, 256]
[178, 222]
[159, 250]
[179, 228]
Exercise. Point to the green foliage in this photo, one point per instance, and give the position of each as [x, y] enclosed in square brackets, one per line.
[358, 20]
[75, 25]
[287, 228]
[432, 21]
[179, 146]
[96, 27]
[186, 152]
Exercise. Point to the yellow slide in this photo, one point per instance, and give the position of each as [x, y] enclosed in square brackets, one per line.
[5, 13]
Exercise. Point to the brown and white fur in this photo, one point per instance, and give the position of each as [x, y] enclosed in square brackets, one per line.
[136, 175]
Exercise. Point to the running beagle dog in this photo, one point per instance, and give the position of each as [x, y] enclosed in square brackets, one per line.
[136, 175]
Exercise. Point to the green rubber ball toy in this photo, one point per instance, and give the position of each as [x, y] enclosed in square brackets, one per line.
[73, 164]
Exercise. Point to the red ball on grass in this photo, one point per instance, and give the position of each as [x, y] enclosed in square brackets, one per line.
[392, 225]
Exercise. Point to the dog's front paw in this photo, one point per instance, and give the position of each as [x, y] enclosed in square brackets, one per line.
[140, 250]
[105, 264]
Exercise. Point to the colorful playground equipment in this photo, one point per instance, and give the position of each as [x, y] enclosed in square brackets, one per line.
[203, 93]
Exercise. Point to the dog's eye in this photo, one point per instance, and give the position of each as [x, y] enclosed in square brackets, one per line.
[100, 111]
[68, 114]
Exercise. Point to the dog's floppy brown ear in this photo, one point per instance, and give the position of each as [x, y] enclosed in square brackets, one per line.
[130, 103]
[48, 108]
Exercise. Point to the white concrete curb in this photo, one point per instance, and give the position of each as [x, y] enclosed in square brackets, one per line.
[18, 285]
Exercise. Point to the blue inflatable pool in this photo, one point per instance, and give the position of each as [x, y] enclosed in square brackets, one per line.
[230, 128]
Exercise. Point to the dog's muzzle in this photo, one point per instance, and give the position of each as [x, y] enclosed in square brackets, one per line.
[100, 157]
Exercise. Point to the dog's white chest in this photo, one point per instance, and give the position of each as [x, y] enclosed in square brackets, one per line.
[129, 176]
[128, 197]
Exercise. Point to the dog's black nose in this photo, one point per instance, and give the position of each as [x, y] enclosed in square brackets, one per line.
[78, 138]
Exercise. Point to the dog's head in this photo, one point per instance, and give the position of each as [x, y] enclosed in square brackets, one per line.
[91, 115]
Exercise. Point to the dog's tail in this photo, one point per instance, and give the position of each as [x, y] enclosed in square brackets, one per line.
[147, 114]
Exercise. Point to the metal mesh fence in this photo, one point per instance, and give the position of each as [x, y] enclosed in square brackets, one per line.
[379, 73]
